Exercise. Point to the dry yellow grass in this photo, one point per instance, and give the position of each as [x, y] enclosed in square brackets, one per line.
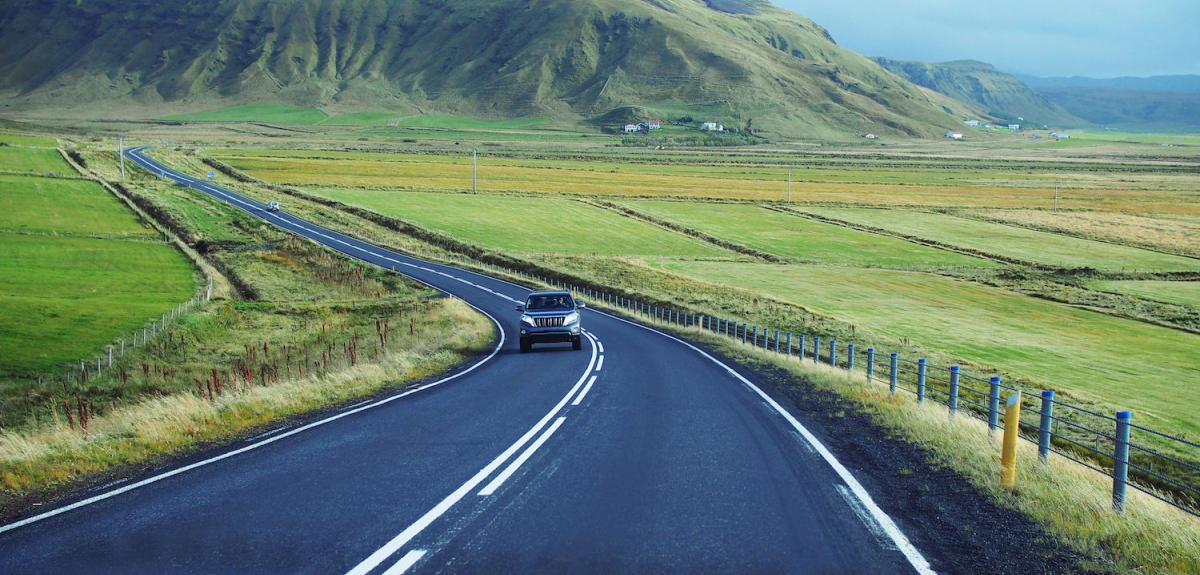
[1175, 234]
[54, 454]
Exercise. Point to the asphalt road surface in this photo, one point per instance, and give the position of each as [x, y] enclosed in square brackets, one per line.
[639, 453]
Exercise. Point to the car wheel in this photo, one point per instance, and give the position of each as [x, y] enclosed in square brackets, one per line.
[577, 344]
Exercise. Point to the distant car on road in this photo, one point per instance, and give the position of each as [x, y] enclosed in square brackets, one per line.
[273, 206]
[550, 317]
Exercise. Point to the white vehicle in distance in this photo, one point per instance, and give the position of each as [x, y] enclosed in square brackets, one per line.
[273, 206]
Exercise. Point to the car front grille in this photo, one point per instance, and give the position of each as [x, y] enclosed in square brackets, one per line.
[549, 321]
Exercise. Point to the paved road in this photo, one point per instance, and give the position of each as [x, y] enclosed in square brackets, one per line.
[639, 453]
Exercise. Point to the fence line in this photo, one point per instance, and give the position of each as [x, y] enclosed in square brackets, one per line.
[1067, 433]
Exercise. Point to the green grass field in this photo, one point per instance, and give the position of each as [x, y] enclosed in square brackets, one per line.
[528, 224]
[795, 237]
[58, 206]
[30, 140]
[1183, 293]
[1092, 356]
[1014, 242]
[62, 298]
[269, 113]
[34, 161]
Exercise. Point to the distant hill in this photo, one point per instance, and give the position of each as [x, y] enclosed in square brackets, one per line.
[1156, 103]
[1000, 95]
[731, 61]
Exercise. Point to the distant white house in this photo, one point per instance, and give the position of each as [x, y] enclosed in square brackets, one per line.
[630, 128]
[954, 135]
[1060, 136]
[654, 124]
[870, 136]
[1014, 127]
[712, 127]
[972, 123]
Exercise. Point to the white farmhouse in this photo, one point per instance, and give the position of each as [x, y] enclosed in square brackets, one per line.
[954, 135]
[630, 128]
[712, 127]
[972, 123]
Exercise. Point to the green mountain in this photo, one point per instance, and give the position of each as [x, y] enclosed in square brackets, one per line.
[730, 61]
[1155, 103]
[1002, 96]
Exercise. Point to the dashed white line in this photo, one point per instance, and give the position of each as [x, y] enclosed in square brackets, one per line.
[600, 345]
[600, 365]
[586, 389]
[402, 539]
[266, 433]
[516, 464]
[405, 563]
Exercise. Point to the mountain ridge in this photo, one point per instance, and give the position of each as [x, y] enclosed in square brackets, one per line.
[727, 60]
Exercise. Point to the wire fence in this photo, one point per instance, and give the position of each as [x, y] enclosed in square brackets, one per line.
[93, 366]
[1161, 465]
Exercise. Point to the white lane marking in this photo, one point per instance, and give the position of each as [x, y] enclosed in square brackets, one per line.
[253, 446]
[516, 463]
[600, 345]
[266, 433]
[600, 366]
[352, 406]
[910, 552]
[405, 563]
[444, 505]
[864, 516]
[586, 389]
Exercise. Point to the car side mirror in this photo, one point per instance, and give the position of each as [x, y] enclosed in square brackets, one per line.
[521, 308]
[580, 305]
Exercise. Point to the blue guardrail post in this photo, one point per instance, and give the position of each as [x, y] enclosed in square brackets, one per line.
[833, 352]
[850, 357]
[894, 377]
[870, 363]
[1045, 425]
[953, 401]
[755, 338]
[802, 352]
[921, 363]
[816, 349]
[776, 341]
[1121, 461]
[994, 405]
[789, 344]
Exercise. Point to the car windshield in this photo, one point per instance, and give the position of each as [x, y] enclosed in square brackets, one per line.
[549, 302]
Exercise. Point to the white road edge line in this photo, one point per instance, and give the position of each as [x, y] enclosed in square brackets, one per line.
[405, 563]
[586, 389]
[253, 446]
[910, 552]
[512, 468]
[402, 539]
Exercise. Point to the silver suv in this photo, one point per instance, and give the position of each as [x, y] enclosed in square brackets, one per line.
[550, 317]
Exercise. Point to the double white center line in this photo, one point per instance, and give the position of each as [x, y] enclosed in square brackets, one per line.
[404, 537]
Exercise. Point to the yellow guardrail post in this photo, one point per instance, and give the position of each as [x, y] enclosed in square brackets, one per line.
[1008, 452]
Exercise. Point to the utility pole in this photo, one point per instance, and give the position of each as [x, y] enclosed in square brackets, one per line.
[1055, 208]
[121, 154]
[474, 171]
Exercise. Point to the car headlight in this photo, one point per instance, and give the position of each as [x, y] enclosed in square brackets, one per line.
[527, 320]
[571, 318]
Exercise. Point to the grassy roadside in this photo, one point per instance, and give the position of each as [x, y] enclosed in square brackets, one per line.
[1072, 503]
[305, 329]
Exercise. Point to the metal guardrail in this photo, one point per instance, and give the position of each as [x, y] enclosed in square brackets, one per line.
[1100, 442]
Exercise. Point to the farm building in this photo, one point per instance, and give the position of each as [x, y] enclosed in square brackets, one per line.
[654, 124]
[630, 128]
[972, 123]
[712, 127]
[1060, 136]
[870, 136]
[954, 135]
[1014, 127]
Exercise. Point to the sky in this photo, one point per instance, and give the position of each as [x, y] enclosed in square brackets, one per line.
[1097, 38]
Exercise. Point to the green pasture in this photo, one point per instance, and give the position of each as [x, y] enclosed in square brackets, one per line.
[30, 140]
[62, 297]
[269, 113]
[799, 238]
[1180, 292]
[528, 224]
[60, 206]
[34, 161]
[1021, 243]
[1093, 356]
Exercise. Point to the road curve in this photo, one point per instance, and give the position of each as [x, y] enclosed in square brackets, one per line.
[639, 453]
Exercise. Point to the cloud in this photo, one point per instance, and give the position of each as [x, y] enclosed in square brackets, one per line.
[1101, 38]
